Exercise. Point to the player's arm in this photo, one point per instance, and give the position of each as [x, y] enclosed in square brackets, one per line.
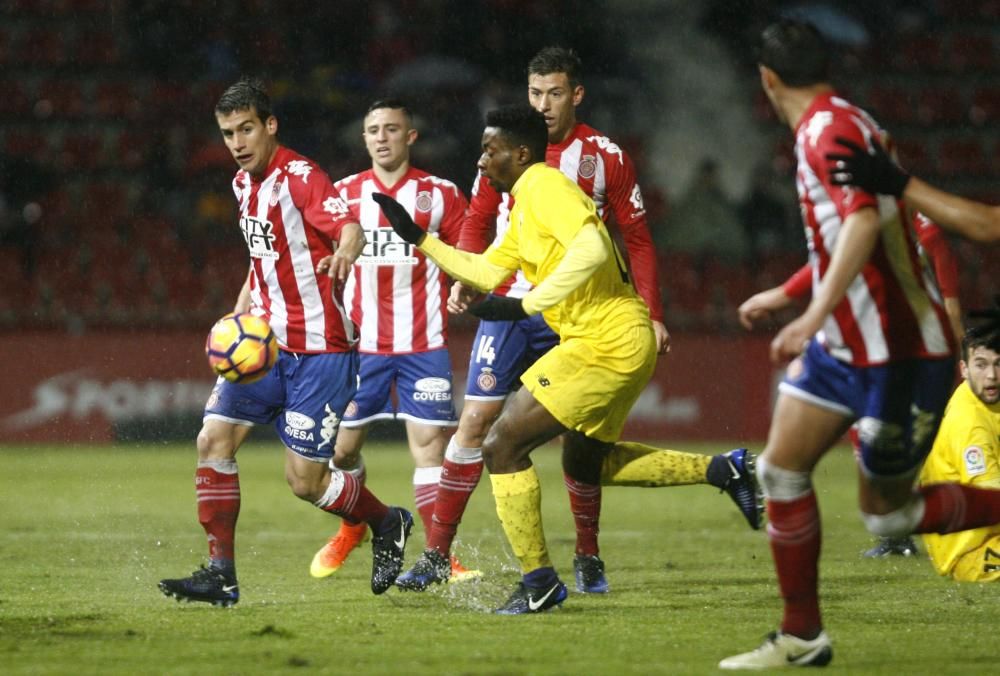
[350, 244]
[625, 199]
[243, 299]
[873, 170]
[483, 271]
[585, 253]
[935, 244]
[762, 305]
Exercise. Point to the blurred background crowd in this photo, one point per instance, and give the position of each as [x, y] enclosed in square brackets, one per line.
[115, 202]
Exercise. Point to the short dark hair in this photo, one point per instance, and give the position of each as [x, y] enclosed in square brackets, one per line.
[796, 51]
[557, 60]
[247, 94]
[985, 335]
[392, 104]
[521, 124]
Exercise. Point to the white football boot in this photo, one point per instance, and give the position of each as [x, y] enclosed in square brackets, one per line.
[784, 650]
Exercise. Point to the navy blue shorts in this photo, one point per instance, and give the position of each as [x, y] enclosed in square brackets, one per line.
[423, 389]
[897, 406]
[304, 395]
[502, 351]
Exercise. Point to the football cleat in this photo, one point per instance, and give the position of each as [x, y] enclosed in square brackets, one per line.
[784, 650]
[889, 546]
[460, 573]
[388, 547]
[431, 568]
[333, 554]
[741, 485]
[589, 573]
[526, 600]
[210, 585]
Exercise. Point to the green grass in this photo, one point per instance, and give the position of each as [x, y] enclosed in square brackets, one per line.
[85, 534]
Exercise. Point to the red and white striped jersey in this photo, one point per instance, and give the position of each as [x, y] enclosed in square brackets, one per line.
[291, 219]
[891, 310]
[396, 295]
[606, 174]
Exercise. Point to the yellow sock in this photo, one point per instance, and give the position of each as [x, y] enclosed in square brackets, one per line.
[519, 506]
[632, 464]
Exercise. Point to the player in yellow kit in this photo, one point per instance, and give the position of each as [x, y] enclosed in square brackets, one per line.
[585, 386]
[967, 451]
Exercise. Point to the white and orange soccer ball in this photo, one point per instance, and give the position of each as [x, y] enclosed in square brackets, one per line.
[241, 348]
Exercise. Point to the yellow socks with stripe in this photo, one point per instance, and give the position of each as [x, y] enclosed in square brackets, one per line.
[519, 506]
[632, 464]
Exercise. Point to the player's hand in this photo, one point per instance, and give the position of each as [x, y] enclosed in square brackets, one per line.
[399, 219]
[499, 309]
[662, 337]
[792, 340]
[335, 266]
[873, 170]
[460, 298]
[761, 305]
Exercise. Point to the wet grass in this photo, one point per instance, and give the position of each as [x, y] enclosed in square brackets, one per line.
[85, 534]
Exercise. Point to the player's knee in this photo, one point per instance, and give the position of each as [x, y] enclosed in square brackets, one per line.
[474, 425]
[781, 484]
[215, 443]
[462, 455]
[304, 487]
[897, 523]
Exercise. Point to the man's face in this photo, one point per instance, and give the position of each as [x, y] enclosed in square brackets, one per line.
[388, 137]
[982, 371]
[552, 96]
[497, 163]
[251, 141]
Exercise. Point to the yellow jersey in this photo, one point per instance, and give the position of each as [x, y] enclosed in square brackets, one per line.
[967, 451]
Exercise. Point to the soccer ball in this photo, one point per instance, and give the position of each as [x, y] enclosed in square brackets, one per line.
[241, 348]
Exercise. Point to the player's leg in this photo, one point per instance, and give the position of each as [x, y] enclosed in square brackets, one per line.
[911, 410]
[496, 360]
[523, 426]
[635, 464]
[317, 396]
[230, 413]
[800, 433]
[582, 461]
[370, 403]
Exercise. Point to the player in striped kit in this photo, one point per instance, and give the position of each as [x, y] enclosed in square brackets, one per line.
[303, 241]
[503, 350]
[939, 260]
[876, 348]
[397, 298]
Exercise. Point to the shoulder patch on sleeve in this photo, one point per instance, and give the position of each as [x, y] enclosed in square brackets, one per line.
[975, 461]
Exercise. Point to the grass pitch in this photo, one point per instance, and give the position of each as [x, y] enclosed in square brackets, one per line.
[86, 533]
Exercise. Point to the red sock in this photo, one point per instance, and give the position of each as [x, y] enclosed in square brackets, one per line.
[951, 507]
[424, 496]
[354, 502]
[794, 532]
[218, 508]
[458, 480]
[585, 504]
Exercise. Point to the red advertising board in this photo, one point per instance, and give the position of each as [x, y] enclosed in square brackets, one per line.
[80, 389]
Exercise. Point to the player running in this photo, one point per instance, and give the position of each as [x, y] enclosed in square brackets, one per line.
[503, 350]
[397, 298]
[303, 242]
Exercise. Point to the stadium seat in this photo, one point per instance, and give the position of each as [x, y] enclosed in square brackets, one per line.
[43, 46]
[116, 99]
[890, 104]
[15, 100]
[985, 108]
[969, 52]
[961, 155]
[940, 105]
[912, 152]
[97, 48]
[917, 53]
[26, 142]
[65, 96]
[81, 150]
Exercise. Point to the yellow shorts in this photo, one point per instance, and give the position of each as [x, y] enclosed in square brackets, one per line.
[979, 565]
[590, 385]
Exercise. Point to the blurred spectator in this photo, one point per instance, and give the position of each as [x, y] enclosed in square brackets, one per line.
[704, 223]
[767, 217]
